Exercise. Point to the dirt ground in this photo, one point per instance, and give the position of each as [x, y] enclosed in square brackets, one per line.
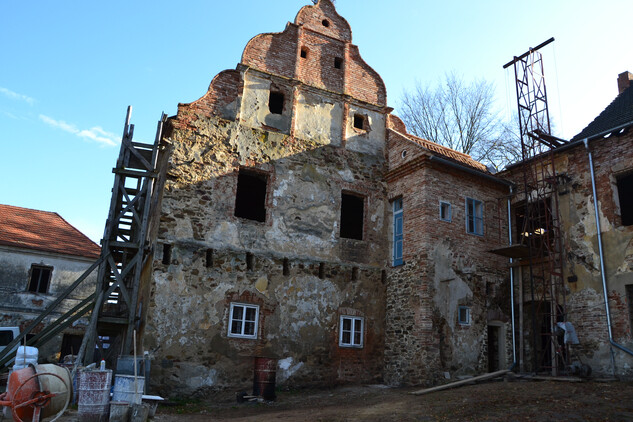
[509, 400]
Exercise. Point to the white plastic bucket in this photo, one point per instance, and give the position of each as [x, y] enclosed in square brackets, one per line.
[124, 389]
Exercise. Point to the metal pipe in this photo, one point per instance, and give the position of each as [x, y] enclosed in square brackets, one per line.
[514, 350]
[601, 252]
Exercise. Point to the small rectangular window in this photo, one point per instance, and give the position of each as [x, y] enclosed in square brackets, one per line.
[445, 211]
[359, 121]
[463, 315]
[338, 62]
[351, 331]
[250, 198]
[474, 217]
[243, 320]
[40, 279]
[166, 260]
[304, 52]
[352, 215]
[625, 194]
[276, 102]
[6, 337]
[398, 236]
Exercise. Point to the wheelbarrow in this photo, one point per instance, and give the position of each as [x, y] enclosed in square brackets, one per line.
[37, 392]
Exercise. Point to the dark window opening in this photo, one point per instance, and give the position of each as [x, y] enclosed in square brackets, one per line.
[286, 267]
[325, 23]
[338, 62]
[166, 254]
[304, 52]
[250, 261]
[250, 198]
[625, 194]
[40, 279]
[354, 273]
[359, 121]
[321, 270]
[383, 276]
[276, 102]
[352, 213]
[6, 337]
[209, 258]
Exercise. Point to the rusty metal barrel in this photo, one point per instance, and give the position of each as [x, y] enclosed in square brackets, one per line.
[94, 395]
[264, 376]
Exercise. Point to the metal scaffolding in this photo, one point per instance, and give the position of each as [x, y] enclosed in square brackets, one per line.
[537, 216]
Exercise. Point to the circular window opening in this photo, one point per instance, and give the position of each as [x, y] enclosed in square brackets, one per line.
[404, 153]
[325, 23]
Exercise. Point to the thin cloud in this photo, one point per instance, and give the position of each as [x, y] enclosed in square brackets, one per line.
[96, 133]
[15, 96]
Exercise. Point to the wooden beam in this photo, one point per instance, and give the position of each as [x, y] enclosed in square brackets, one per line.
[490, 375]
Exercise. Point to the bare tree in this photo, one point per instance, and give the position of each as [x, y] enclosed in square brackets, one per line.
[461, 116]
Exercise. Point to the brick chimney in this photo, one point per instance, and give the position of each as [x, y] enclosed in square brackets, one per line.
[624, 81]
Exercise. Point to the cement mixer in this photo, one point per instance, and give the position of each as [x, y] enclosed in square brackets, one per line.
[37, 392]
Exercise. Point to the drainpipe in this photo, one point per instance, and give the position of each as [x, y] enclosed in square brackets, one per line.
[514, 350]
[601, 252]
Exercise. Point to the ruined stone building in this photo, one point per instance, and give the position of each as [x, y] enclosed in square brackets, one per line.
[300, 221]
[40, 256]
[596, 252]
[297, 220]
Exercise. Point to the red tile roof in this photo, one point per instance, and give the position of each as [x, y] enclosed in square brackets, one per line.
[43, 231]
[445, 152]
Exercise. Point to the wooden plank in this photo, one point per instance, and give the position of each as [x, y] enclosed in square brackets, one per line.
[490, 375]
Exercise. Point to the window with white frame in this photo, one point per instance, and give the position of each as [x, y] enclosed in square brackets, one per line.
[445, 211]
[243, 320]
[351, 331]
[474, 217]
[463, 315]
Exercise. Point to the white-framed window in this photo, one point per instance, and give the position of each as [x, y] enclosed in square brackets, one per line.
[445, 211]
[474, 217]
[243, 320]
[351, 331]
[463, 315]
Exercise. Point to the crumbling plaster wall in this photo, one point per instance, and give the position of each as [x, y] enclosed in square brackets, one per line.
[444, 267]
[299, 312]
[611, 156]
[585, 295]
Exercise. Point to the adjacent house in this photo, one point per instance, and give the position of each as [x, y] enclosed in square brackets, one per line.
[41, 254]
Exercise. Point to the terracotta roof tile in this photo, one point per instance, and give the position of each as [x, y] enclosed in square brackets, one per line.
[43, 231]
[445, 152]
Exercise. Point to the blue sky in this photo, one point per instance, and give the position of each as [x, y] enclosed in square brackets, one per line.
[69, 69]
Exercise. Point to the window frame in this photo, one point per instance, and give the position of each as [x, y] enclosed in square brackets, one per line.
[476, 218]
[243, 321]
[450, 211]
[352, 343]
[468, 319]
[41, 268]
